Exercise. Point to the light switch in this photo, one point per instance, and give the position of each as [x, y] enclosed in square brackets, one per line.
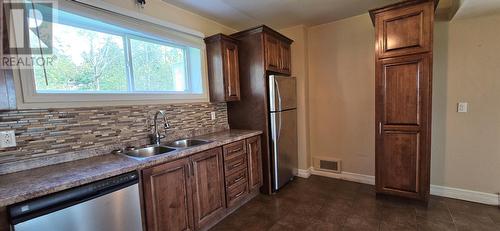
[463, 107]
[7, 139]
[212, 115]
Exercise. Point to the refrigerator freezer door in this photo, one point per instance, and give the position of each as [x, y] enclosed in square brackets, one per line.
[282, 93]
[284, 147]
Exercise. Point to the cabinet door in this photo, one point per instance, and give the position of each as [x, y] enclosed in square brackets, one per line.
[405, 31]
[231, 71]
[254, 162]
[208, 187]
[7, 88]
[167, 196]
[403, 130]
[272, 52]
[285, 58]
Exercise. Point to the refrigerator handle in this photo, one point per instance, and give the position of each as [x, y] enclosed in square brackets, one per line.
[279, 127]
[277, 87]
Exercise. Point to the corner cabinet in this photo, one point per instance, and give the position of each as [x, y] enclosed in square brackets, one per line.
[223, 68]
[403, 98]
[196, 192]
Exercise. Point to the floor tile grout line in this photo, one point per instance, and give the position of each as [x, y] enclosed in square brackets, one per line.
[348, 203]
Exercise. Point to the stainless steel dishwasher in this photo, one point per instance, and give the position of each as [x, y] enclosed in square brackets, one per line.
[112, 204]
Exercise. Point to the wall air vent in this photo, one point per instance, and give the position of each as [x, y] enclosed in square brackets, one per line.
[327, 164]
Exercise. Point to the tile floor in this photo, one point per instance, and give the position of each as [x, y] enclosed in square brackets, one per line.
[321, 203]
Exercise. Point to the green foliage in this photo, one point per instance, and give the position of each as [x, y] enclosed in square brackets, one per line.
[100, 66]
[155, 65]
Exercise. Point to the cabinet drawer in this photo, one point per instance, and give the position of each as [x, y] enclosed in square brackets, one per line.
[235, 164]
[234, 149]
[236, 194]
[237, 177]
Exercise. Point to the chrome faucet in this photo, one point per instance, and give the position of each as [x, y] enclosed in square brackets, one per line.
[156, 137]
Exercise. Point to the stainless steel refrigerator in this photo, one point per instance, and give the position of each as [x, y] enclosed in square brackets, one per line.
[283, 121]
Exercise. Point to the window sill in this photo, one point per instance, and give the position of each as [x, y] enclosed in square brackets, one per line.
[45, 105]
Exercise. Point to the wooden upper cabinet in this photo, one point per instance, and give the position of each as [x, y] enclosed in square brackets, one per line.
[231, 71]
[404, 31]
[254, 162]
[277, 54]
[276, 48]
[208, 187]
[223, 68]
[272, 52]
[7, 88]
[167, 196]
[286, 58]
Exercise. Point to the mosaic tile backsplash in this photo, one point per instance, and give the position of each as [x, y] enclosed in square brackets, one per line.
[51, 136]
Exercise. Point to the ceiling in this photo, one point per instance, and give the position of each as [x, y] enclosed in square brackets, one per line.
[475, 8]
[279, 14]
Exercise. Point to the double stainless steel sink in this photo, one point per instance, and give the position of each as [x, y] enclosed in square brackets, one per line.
[186, 143]
[155, 150]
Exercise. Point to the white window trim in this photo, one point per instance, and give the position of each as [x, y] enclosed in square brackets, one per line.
[28, 98]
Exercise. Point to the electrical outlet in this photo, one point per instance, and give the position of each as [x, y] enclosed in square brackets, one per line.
[7, 139]
[463, 107]
[212, 115]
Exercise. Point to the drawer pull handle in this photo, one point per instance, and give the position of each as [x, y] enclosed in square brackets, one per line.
[236, 150]
[236, 165]
[239, 194]
[239, 179]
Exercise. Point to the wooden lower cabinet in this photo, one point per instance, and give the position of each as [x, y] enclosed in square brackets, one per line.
[196, 192]
[254, 163]
[168, 196]
[208, 187]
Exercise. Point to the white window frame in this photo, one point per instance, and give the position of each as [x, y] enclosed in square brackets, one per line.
[130, 62]
[29, 98]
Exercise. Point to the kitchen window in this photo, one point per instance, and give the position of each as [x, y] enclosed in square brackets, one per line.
[130, 60]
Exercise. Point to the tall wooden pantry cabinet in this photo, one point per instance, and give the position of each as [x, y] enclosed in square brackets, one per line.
[404, 34]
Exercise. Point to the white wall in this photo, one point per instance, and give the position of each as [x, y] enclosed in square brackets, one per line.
[466, 146]
[300, 70]
[341, 92]
[172, 14]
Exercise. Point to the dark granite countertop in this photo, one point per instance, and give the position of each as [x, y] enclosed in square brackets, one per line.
[25, 185]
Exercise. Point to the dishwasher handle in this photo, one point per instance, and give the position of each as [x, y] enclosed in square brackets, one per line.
[30, 209]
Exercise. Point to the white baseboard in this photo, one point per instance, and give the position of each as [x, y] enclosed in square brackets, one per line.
[360, 178]
[304, 173]
[466, 195]
[455, 193]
